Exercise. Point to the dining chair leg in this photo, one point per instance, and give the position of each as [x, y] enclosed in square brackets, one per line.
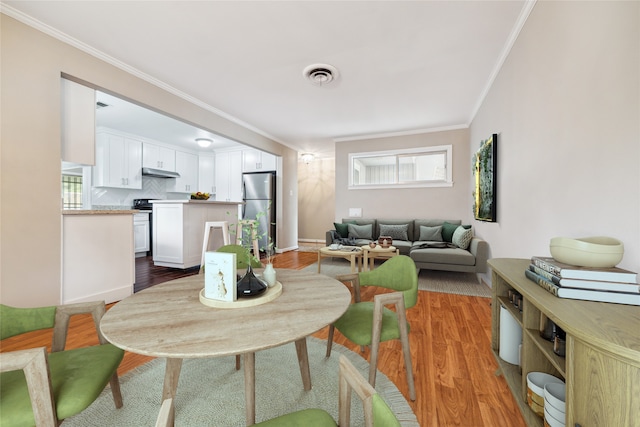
[406, 351]
[373, 362]
[330, 340]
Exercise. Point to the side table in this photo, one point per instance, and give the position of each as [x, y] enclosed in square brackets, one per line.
[369, 254]
[351, 253]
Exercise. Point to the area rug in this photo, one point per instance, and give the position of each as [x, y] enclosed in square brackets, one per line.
[211, 392]
[448, 282]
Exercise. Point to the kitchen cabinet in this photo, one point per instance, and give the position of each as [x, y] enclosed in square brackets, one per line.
[228, 173]
[206, 173]
[257, 161]
[78, 123]
[158, 157]
[141, 233]
[601, 367]
[118, 162]
[178, 229]
[187, 167]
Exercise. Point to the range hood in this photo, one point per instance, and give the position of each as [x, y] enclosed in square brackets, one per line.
[159, 173]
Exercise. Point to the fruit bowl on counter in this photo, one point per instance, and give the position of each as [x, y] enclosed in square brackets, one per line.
[200, 196]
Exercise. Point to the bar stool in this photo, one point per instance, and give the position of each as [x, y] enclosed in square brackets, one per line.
[208, 227]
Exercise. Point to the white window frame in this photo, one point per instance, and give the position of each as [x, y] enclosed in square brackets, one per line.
[446, 182]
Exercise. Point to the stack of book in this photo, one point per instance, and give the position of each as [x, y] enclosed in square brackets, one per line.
[613, 285]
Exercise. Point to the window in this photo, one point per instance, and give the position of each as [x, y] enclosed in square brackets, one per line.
[71, 191]
[415, 167]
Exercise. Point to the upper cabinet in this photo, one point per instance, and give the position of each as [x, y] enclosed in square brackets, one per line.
[257, 161]
[158, 157]
[228, 173]
[187, 167]
[118, 162]
[206, 173]
[78, 123]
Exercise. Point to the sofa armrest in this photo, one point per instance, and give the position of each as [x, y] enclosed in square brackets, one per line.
[329, 237]
[480, 250]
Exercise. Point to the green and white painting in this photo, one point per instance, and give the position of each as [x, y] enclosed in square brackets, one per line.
[484, 171]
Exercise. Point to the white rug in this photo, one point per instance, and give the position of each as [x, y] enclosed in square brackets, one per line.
[211, 391]
[448, 282]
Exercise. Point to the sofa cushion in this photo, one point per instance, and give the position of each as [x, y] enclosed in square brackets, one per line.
[360, 231]
[395, 231]
[342, 229]
[462, 237]
[408, 222]
[430, 234]
[403, 246]
[454, 256]
[448, 228]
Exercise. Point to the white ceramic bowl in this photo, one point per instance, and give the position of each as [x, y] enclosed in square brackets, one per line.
[551, 421]
[554, 412]
[535, 389]
[555, 395]
[595, 252]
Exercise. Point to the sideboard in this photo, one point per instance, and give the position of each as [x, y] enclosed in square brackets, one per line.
[601, 368]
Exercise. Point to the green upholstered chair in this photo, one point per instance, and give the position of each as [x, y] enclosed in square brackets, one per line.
[43, 389]
[243, 256]
[370, 323]
[376, 411]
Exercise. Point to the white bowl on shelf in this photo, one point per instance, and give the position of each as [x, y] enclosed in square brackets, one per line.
[595, 252]
[555, 396]
[551, 420]
[535, 390]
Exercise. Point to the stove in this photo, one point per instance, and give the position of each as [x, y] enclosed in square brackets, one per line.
[142, 204]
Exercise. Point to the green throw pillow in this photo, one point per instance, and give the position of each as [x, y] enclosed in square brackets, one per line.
[448, 230]
[342, 229]
[462, 237]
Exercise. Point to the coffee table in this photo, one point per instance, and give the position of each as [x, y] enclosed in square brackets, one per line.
[351, 253]
[369, 254]
[168, 320]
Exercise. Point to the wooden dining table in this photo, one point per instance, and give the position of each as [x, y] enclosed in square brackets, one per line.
[168, 320]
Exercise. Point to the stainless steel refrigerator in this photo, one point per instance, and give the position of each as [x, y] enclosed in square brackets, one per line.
[259, 195]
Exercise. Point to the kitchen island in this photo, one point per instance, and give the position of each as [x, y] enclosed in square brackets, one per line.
[178, 229]
[97, 255]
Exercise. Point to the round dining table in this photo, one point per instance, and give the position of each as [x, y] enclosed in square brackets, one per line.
[169, 320]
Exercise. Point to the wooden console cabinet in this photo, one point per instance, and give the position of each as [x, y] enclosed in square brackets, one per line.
[602, 364]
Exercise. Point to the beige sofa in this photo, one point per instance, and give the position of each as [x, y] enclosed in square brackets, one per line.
[429, 242]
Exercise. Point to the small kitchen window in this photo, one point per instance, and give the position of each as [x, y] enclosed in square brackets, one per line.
[407, 168]
[71, 191]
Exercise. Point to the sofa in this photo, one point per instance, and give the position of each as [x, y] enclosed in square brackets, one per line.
[433, 244]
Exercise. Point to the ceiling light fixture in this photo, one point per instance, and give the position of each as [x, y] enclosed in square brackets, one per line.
[307, 157]
[320, 74]
[204, 142]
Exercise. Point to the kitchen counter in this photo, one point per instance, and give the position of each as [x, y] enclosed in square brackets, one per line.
[99, 211]
[197, 202]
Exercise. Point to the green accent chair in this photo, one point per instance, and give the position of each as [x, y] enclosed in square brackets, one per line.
[370, 323]
[43, 389]
[376, 411]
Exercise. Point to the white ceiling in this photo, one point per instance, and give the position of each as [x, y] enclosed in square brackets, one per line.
[405, 66]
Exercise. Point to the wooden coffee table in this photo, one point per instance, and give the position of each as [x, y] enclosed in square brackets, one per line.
[168, 320]
[351, 253]
[369, 254]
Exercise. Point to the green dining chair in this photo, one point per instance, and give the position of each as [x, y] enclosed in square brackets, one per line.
[43, 389]
[376, 411]
[369, 323]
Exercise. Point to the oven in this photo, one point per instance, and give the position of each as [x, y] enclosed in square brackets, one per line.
[145, 205]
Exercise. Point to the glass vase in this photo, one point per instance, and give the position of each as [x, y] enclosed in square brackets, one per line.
[250, 285]
[269, 275]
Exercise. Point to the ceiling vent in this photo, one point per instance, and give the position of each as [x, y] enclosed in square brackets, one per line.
[320, 74]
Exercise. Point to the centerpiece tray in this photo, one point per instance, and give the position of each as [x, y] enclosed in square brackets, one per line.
[270, 294]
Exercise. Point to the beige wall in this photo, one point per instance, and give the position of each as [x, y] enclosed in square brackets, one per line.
[566, 108]
[30, 219]
[316, 198]
[437, 202]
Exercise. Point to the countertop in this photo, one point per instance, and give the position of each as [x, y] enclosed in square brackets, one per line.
[99, 211]
[197, 202]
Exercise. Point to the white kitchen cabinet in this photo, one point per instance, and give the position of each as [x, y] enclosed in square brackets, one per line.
[141, 234]
[187, 167]
[118, 162]
[228, 173]
[257, 161]
[158, 157]
[78, 123]
[206, 174]
[178, 229]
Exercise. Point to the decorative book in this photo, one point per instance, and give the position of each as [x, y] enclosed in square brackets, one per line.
[220, 276]
[566, 271]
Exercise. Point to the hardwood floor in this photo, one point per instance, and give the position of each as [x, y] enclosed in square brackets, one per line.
[454, 369]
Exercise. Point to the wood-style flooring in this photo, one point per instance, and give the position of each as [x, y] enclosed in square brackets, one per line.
[454, 369]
